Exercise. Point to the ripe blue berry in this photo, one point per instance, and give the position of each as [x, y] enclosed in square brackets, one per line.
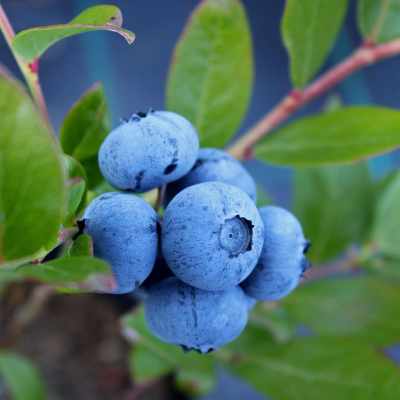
[282, 261]
[193, 318]
[215, 165]
[212, 235]
[148, 151]
[124, 232]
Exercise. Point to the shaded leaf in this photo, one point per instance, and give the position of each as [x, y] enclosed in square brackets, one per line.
[346, 135]
[379, 21]
[86, 125]
[386, 234]
[22, 379]
[334, 205]
[81, 246]
[211, 75]
[76, 188]
[32, 43]
[309, 30]
[31, 177]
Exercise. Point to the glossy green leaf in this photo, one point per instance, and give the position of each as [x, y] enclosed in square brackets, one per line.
[211, 75]
[152, 358]
[309, 30]
[81, 246]
[22, 379]
[386, 234]
[32, 43]
[334, 205]
[379, 20]
[76, 188]
[31, 177]
[70, 272]
[346, 135]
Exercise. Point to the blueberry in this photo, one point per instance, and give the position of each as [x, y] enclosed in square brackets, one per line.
[212, 235]
[215, 165]
[193, 318]
[124, 232]
[282, 261]
[148, 151]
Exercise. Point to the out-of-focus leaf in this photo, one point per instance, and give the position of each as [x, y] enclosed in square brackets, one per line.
[379, 20]
[76, 187]
[309, 30]
[340, 368]
[386, 234]
[32, 43]
[211, 75]
[365, 307]
[346, 135]
[31, 177]
[263, 198]
[334, 205]
[22, 379]
[349, 320]
[152, 358]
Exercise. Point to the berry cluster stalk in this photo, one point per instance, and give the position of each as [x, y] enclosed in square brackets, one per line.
[30, 71]
[367, 54]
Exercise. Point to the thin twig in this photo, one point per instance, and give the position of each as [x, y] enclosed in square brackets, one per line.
[366, 55]
[30, 71]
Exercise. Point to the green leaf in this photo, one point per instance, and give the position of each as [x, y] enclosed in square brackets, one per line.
[151, 358]
[94, 176]
[364, 307]
[76, 188]
[31, 177]
[379, 21]
[81, 246]
[211, 75]
[32, 43]
[21, 378]
[386, 234]
[86, 125]
[334, 205]
[309, 30]
[346, 135]
[308, 368]
[69, 272]
[350, 320]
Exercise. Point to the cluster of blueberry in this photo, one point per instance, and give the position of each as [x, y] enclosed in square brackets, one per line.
[212, 255]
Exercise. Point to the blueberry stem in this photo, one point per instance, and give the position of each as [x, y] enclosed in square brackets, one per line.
[160, 197]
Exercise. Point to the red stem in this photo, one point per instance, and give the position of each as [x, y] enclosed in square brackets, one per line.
[366, 55]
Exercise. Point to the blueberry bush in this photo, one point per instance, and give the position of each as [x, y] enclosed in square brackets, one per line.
[161, 209]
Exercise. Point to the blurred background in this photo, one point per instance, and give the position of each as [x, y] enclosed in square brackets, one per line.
[134, 79]
[134, 76]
